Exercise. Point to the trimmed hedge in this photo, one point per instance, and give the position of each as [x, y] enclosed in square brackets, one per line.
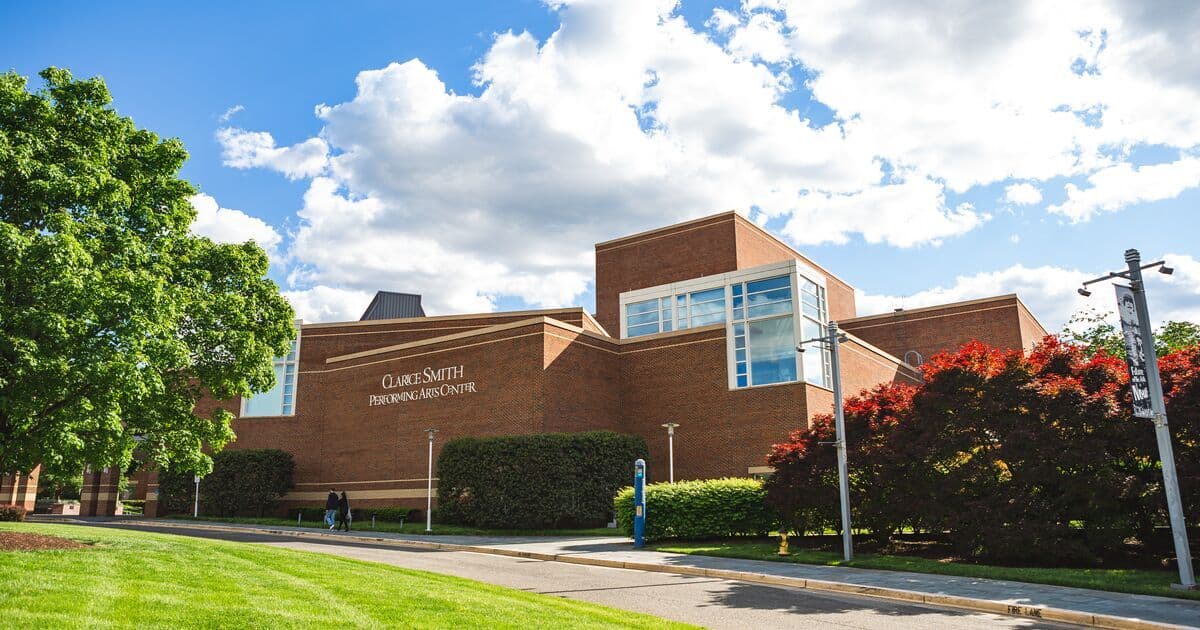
[12, 513]
[244, 482]
[550, 480]
[710, 508]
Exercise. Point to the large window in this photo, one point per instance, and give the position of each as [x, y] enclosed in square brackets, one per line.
[812, 324]
[685, 310]
[764, 332]
[766, 311]
[280, 400]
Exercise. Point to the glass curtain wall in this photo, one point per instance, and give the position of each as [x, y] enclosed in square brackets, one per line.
[280, 400]
[686, 310]
[762, 316]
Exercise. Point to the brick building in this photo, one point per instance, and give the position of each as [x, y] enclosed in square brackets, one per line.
[695, 323]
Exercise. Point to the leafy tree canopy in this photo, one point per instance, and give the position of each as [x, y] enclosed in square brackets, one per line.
[1094, 331]
[114, 318]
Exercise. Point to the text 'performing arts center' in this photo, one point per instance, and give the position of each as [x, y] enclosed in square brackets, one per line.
[695, 323]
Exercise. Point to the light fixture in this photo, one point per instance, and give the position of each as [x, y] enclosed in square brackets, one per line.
[1165, 270]
[1084, 292]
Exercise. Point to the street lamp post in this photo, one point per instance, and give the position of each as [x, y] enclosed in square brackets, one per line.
[1158, 408]
[196, 500]
[833, 338]
[670, 427]
[429, 487]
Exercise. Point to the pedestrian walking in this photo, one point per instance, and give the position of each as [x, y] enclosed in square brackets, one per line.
[331, 507]
[344, 516]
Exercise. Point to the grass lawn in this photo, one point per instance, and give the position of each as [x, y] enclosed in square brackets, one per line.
[131, 579]
[364, 525]
[1142, 581]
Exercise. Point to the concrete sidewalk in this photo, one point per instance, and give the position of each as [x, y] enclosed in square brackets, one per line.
[1052, 603]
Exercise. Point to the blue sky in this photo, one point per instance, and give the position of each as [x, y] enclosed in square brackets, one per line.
[846, 131]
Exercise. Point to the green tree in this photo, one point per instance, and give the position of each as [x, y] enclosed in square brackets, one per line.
[1093, 330]
[114, 318]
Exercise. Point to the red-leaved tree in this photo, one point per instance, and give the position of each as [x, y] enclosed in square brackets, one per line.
[1013, 457]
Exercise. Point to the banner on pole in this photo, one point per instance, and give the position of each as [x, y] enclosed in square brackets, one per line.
[1135, 353]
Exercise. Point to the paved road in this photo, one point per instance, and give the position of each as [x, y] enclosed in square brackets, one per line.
[707, 602]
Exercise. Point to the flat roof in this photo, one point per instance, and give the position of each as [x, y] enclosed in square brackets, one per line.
[732, 215]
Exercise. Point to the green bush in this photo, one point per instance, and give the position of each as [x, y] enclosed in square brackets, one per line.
[243, 483]
[550, 480]
[133, 508]
[711, 508]
[12, 513]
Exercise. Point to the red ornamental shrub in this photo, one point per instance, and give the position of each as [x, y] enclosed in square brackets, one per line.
[1013, 457]
[1180, 372]
[804, 487]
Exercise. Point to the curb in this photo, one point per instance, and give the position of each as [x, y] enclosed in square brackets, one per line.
[1046, 613]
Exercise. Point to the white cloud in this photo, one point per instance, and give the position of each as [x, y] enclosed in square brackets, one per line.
[326, 304]
[1122, 185]
[225, 225]
[975, 93]
[248, 149]
[626, 118]
[1050, 292]
[820, 218]
[231, 112]
[1022, 194]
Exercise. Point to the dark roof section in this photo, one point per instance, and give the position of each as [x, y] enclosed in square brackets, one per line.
[392, 305]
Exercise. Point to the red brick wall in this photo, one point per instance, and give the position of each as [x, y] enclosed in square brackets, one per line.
[18, 489]
[1031, 329]
[322, 341]
[582, 382]
[682, 377]
[864, 367]
[930, 330]
[681, 252]
[717, 244]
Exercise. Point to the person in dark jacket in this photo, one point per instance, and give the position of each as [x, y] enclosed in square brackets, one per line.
[331, 507]
[343, 512]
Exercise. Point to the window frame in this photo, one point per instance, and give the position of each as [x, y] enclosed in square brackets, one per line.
[291, 359]
[798, 271]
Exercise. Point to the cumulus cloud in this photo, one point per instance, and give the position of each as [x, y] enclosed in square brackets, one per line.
[1022, 194]
[225, 225]
[627, 118]
[1050, 292]
[328, 304]
[248, 149]
[824, 217]
[976, 93]
[1122, 185]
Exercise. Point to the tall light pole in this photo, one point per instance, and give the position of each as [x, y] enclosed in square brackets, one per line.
[196, 501]
[833, 338]
[670, 427]
[1157, 409]
[429, 488]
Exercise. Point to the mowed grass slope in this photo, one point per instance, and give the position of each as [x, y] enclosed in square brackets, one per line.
[137, 579]
[1136, 581]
